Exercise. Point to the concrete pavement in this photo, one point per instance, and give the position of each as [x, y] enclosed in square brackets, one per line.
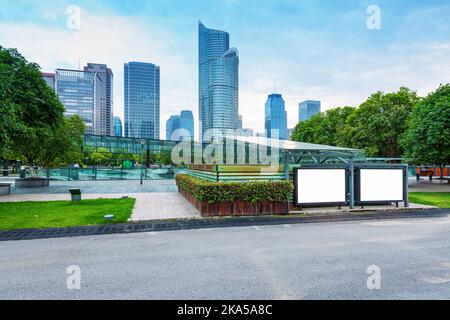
[307, 261]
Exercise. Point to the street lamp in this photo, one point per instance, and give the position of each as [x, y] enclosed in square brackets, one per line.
[142, 159]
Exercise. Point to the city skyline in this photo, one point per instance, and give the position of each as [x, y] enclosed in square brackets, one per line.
[343, 60]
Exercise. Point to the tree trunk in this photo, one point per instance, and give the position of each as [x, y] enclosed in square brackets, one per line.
[442, 172]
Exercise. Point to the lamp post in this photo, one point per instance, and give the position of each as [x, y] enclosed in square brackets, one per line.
[142, 160]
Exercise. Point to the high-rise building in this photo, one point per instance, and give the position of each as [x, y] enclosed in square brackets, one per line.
[50, 79]
[275, 117]
[81, 92]
[307, 109]
[239, 122]
[142, 100]
[187, 124]
[105, 111]
[180, 127]
[118, 129]
[171, 125]
[218, 81]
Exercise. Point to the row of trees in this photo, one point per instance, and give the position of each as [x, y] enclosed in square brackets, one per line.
[399, 124]
[32, 122]
[102, 156]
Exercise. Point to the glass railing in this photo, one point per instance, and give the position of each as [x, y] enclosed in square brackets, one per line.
[95, 173]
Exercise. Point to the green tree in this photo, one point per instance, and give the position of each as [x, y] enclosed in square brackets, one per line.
[65, 146]
[427, 138]
[380, 122]
[30, 110]
[325, 128]
[100, 156]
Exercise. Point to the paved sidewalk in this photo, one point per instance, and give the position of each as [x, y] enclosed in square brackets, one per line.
[149, 206]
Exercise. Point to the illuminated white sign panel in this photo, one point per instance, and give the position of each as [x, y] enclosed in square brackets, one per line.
[320, 186]
[381, 185]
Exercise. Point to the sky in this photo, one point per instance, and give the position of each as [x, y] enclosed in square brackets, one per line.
[303, 49]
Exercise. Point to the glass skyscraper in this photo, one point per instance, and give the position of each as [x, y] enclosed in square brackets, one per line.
[171, 125]
[218, 81]
[307, 109]
[105, 112]
[184, 121]
[275, 117]
[118, 127]
[80, 92]
[142, 100]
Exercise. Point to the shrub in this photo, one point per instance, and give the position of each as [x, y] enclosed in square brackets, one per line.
[219, 192]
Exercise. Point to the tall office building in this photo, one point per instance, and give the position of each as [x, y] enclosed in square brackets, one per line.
[275, 117]
[218, 81]
[307, 109]
[184, 123]
[171, 125]
[118, 129]
[142, 100]
[105, 110]
[239, 122]
[187, 124]
[50, 79]
[81, 92]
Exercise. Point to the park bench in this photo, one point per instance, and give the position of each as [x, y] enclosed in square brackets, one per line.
[425, 172]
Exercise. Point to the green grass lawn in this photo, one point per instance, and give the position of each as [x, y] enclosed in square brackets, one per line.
[50, 214]
[438, 199]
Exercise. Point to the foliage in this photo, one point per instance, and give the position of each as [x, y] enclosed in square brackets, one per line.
[376, 126]
[219, 192]
[49, 214]
[427, 138]
[31, 115]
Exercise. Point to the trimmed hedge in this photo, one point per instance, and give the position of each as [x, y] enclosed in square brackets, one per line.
[220, 192]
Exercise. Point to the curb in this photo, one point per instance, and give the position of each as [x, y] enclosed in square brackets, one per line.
[190, 224]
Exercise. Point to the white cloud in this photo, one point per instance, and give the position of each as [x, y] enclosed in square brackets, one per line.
[111, 40]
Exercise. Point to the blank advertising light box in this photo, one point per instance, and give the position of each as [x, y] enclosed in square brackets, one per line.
[316, 186]
[381, 185]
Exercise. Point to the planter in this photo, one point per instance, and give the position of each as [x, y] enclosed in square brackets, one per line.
[237, 208]
[5, 189]
[32, 183]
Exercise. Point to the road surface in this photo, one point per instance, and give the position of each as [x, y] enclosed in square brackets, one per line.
[305, 261]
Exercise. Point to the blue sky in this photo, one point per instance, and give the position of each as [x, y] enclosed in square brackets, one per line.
[310, 49]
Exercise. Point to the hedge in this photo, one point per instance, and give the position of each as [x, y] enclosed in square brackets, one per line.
[220, 192]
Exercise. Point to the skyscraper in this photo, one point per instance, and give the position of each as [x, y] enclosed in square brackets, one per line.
[50, 79]
[275, 117]
[142, 100]
[118, 129]
[105, 111]
[180, 127]
[218, 81]
[307, 109]
[171, 125]
[81, 92]
[187, 124]
[239, 122]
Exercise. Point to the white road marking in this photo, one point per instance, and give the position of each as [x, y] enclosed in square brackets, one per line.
[257, 228]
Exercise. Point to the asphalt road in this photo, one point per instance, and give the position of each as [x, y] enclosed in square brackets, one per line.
[305, 261]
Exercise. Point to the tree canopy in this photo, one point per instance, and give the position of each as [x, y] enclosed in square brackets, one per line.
[376, 126]
[32, 117]
[427, 138]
